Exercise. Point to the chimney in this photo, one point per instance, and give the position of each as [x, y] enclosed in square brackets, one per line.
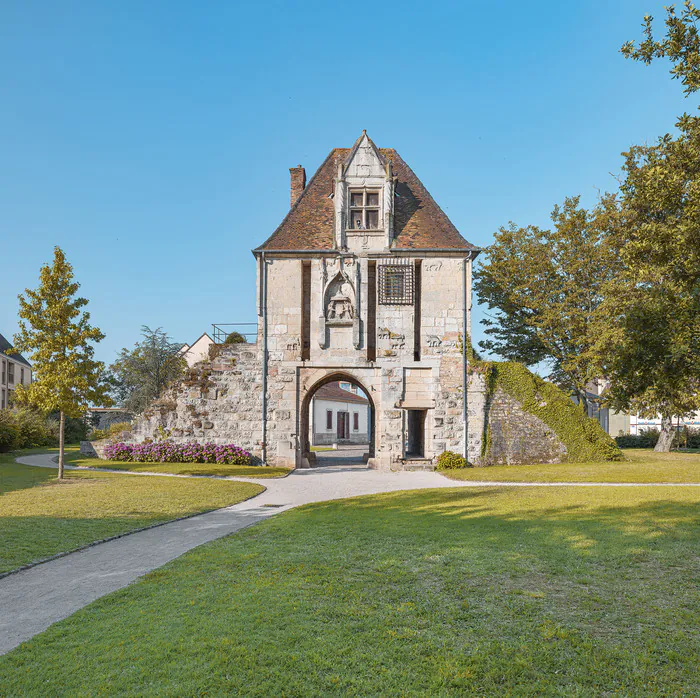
[298, 182]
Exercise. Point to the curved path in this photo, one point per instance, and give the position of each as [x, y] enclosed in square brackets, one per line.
[33, 599]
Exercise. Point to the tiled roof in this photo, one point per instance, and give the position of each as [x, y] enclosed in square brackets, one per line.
[419, 223]
[333, 391]
[5, 345]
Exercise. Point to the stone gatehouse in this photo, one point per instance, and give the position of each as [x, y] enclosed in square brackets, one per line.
[366, 281]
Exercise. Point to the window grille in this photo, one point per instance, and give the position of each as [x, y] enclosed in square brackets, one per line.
[396, 284]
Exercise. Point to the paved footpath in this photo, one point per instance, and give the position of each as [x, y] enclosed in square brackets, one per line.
[31, 600]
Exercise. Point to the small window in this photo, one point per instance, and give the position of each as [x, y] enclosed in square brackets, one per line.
[364, 210]
[355, 421]
[21, 376]
[10, 373]
[396, 284]
[329, 419]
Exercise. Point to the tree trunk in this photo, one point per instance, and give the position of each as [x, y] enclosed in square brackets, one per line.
[61, 449]
[663, 445]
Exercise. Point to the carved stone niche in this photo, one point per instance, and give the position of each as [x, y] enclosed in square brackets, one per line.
[339, 301]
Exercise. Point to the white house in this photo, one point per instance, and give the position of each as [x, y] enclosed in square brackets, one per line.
[14, 370]
[339, 415]
[198, 350]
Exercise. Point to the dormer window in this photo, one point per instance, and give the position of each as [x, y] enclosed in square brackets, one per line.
[364, 210]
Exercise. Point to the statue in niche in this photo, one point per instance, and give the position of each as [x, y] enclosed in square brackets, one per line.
[340, 299]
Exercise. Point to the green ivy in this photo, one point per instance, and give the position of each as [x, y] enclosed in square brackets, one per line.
[584, 438]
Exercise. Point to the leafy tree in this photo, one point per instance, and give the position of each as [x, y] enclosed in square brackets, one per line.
[58, 338]
[141, 374]
[681, 45]
[545, 286]
[649, 325]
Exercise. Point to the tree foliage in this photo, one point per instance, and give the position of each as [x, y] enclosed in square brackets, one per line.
[545, 286]
[680, 44]
[141, 374]
[56, 334]
[648, 334]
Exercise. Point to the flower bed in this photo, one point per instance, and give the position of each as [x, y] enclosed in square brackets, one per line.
[169, 452]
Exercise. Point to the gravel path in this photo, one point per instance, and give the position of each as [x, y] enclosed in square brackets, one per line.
[33, 599]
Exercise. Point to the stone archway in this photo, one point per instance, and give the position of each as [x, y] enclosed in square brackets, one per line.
[305, 457]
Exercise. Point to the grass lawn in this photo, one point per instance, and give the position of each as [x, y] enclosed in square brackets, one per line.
[74, 457]
[493, 592]
[641, 465]
[40, 517]
[319, 449]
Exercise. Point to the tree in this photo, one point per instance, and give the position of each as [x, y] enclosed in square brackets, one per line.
[141, 374]
[58, 337]
[681, 45]
[545, 286]
[649, 325]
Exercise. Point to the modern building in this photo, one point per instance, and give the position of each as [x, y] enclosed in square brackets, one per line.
[339, 415]
[14, 370]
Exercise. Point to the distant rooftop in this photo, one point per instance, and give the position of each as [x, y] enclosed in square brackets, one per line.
[5, 346]
[333, 391]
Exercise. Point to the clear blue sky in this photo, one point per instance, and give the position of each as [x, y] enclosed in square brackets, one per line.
[152, 140]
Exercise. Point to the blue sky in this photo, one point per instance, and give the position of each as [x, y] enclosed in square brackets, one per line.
[152, 141]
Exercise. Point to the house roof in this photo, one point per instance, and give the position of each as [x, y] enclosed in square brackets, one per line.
[5, 346]
[333, 391]
[419, 223]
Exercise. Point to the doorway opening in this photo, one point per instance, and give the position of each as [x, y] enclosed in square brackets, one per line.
[337, 423]
[415, 433]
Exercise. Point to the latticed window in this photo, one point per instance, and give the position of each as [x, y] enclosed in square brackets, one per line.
[364, 210]
[396, 284]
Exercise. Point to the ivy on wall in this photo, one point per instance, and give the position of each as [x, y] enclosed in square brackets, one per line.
[584, 438]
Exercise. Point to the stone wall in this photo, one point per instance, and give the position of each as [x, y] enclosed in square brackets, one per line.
[220, 401]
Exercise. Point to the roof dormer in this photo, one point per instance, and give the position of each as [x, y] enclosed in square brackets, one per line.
[364, 199]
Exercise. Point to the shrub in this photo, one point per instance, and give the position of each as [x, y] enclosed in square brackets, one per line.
[235, 338]
[113, 431]
[169, 452]
[33, 429]
[25, 428]
[449, 460]
[9, 433]
[686, 437]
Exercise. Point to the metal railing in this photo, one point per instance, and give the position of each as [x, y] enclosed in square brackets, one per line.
[223, 330]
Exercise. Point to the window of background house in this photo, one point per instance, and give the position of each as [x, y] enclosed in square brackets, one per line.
[3, 372]
[329, 419]
[21, 376]
[10, 373]
[396, 284]
[364, 210]
[355, 421]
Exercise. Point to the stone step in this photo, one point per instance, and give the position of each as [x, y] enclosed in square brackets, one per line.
[418, 466]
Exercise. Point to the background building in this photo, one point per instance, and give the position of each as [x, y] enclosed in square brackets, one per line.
[339, 414]
[14, 370]
[198, 350]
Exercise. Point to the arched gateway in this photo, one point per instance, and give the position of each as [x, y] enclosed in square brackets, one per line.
[365, 280]
[309, 390]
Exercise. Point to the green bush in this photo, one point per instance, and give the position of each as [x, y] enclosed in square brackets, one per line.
[235, 338]
[449, 460]
[33, 428]
[25, 428]
[9, 434]
[685, 438]
[584, 438]
[113, 431]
